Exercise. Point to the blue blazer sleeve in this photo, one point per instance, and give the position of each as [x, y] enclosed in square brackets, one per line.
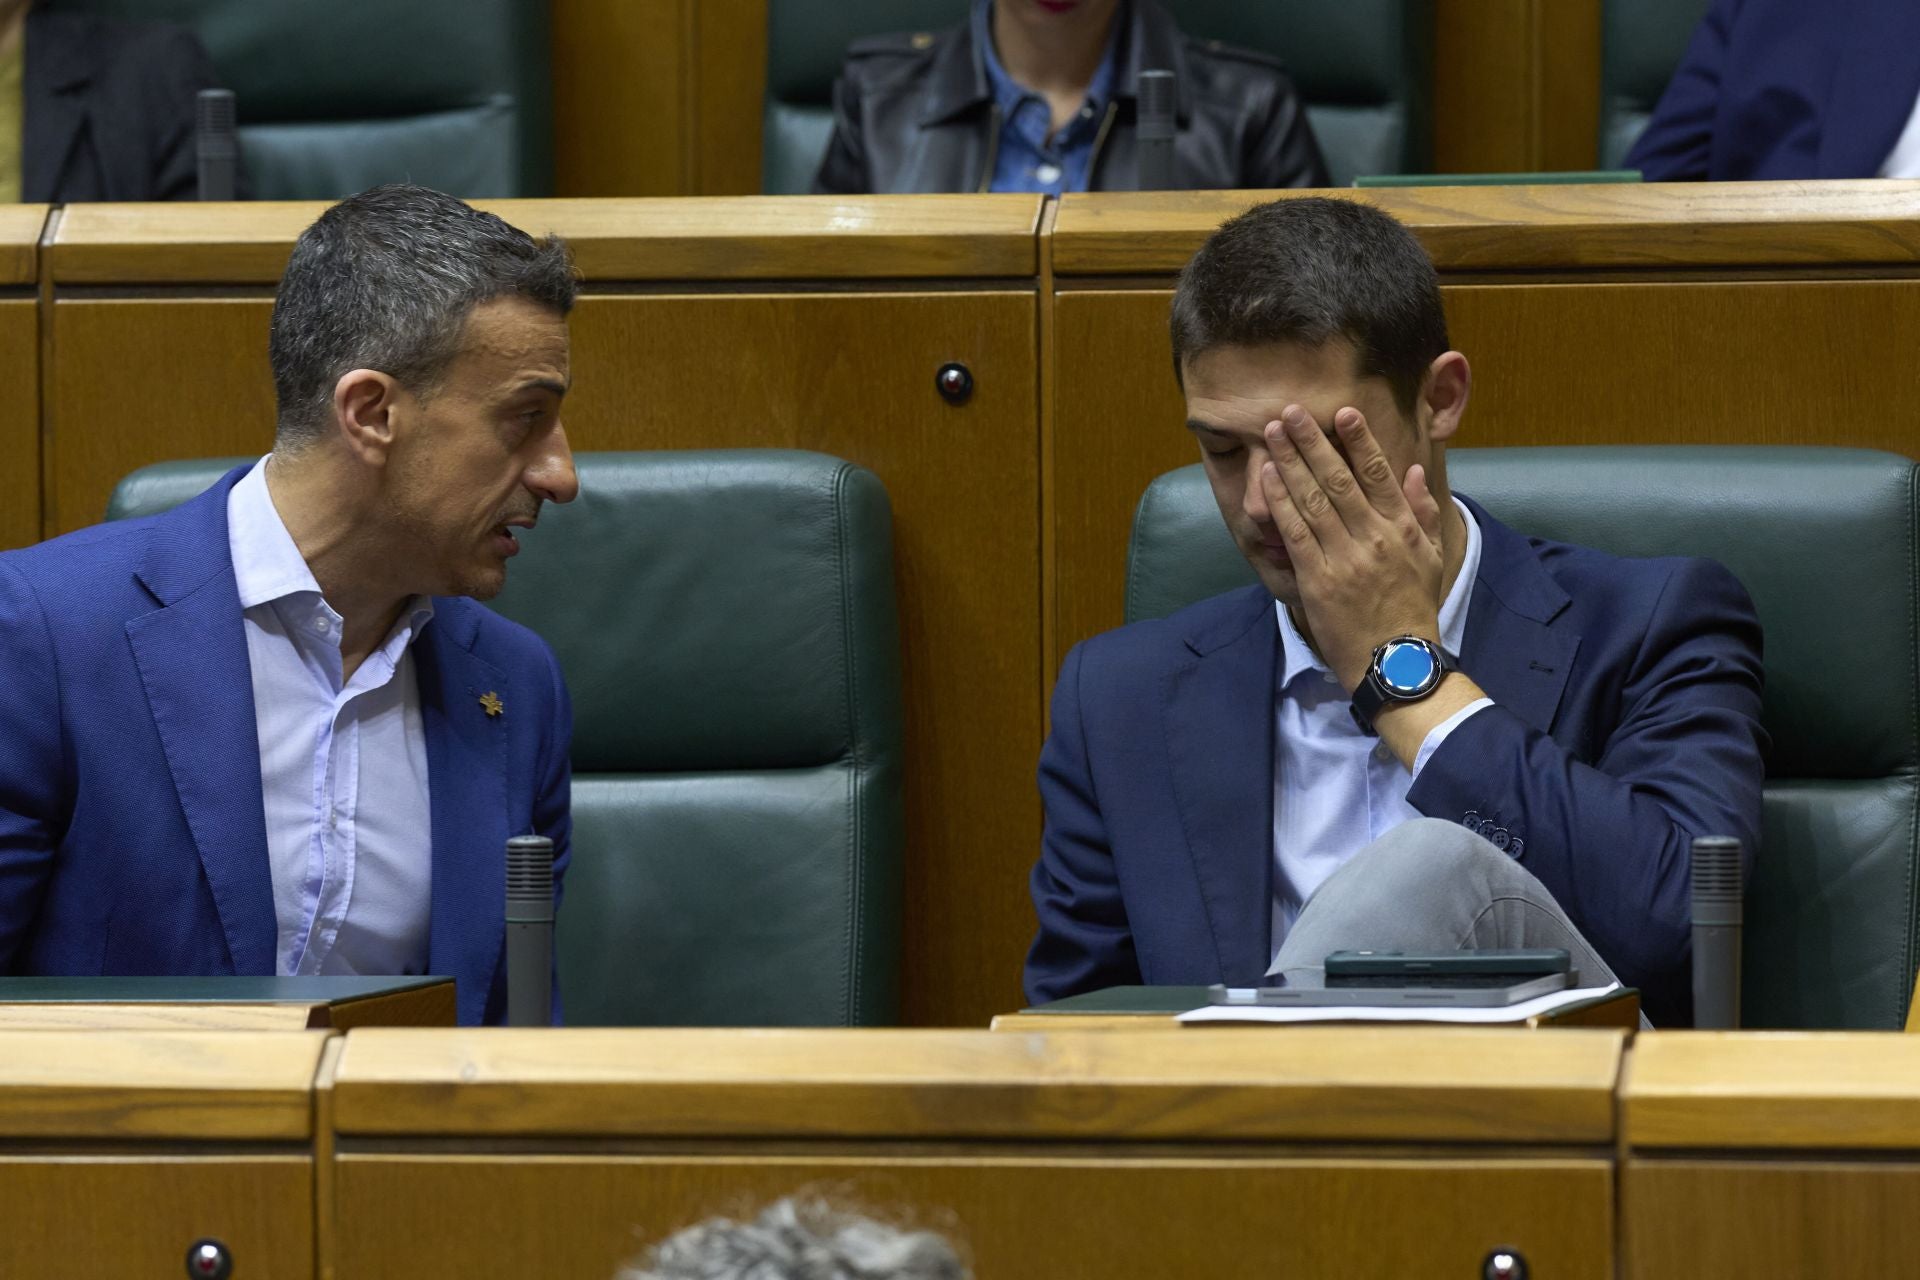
[1611, 838]
[32, 786]
[1084, 942]
[1677, 145]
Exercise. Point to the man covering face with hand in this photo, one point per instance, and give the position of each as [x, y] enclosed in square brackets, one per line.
[1422, 730]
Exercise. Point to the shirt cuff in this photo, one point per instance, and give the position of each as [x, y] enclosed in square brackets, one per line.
[1438, 734]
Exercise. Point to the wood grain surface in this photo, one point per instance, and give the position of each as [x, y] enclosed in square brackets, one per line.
[620, 97]
[1816, 362]
[20, 421]
[852, 374]
[1537, 228]
[1311, 1085]
[1731, 1220]
[1516, 85]
[1119, 1217]
[1836, 1091]
[20, 229]
[194, 1085]
[114, 1215]
[696, 238]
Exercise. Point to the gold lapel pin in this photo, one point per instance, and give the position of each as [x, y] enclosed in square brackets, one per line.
[491, 704]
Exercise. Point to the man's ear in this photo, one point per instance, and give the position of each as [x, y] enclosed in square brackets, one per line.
[1448, 384]
[364, 402]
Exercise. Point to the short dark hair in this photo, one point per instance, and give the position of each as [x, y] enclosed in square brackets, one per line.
[386, 280]
[1308, 271]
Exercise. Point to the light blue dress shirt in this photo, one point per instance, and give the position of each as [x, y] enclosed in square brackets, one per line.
[343, 764]
[1027, 158]
[1335, 788]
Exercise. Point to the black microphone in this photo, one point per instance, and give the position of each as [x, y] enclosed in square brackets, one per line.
[1154, 130]
[529, 931]
[1717, 913]
[214, 143]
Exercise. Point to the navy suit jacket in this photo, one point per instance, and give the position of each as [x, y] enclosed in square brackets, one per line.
[132, 827]
[1625, 721]
[1786, 89]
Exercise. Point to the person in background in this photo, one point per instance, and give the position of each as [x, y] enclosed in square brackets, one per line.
[1040, 96]
[1785, 89]
[95, 108]
[802, 1239]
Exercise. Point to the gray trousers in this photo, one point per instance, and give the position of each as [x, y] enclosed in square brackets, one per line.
[1431, 885]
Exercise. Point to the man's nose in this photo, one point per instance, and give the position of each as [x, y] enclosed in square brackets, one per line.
[1253, 498]
[551, 476]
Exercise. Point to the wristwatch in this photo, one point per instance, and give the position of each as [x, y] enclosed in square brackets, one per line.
[1404, 669]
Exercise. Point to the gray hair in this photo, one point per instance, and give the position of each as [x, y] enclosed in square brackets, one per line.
[799, 1240]
[386, 280]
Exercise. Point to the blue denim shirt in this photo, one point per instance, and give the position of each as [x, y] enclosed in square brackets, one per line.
[1026, 159]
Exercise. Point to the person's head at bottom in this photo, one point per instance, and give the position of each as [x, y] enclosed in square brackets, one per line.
[420, 355]
[799, 1238]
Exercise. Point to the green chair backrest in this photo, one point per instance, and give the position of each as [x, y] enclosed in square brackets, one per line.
[1825, 541]
[337, 97]
[726, 623]
[1364, 68]
[1641, 43]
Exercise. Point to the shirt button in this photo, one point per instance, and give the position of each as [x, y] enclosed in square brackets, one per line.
[1383, 753]
[1047, 173]
[1086, 113]
[1329, 677]
[322, 625]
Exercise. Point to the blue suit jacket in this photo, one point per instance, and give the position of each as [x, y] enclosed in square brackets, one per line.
[132, 828]
[1626, 721]
[1786, 89]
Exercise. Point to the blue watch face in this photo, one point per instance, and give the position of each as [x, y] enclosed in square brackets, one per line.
[1406, 668]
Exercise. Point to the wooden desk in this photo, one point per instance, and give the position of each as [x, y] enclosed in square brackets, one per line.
[20, 227]
[224, 1004]
[814, 323]
[1158, 1008]
[1745, 313]
[119, 1149]
[1395, 1152]
[1779, 1154]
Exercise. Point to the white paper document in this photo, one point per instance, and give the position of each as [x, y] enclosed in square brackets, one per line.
[1394, 1013]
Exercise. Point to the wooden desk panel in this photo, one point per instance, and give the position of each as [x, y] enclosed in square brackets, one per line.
[20, 422]
[852, 374]
[1349, 1084]
[1016, 1215]
[1790, 1154]
[1605, 362]
[142, 380]
[1630, 226]
[122, 1214]
[694, 238]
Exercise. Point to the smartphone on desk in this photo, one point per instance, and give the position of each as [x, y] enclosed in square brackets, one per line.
[1492, 968]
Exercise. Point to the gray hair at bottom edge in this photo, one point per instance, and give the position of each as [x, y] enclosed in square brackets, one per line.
[799, 1238]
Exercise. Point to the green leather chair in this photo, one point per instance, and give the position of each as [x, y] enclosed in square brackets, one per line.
[336, 97]
[1363, 66]
[1825, 540]
[726, 623]
[1641, 43]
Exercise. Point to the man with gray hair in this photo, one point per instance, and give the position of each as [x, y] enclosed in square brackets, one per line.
[799, 1239]
[266, 732]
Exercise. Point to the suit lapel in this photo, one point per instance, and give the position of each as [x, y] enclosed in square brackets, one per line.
[53, 108]
[467, 779]
[1875, 80]
[192, 657]
[1219, 724]
[1510, 650]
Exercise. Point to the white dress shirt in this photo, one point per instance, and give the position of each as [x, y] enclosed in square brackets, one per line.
[343, 766]
[1904, 160]
[1335, 788]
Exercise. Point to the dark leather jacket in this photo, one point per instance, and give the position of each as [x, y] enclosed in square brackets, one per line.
[914, 112]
